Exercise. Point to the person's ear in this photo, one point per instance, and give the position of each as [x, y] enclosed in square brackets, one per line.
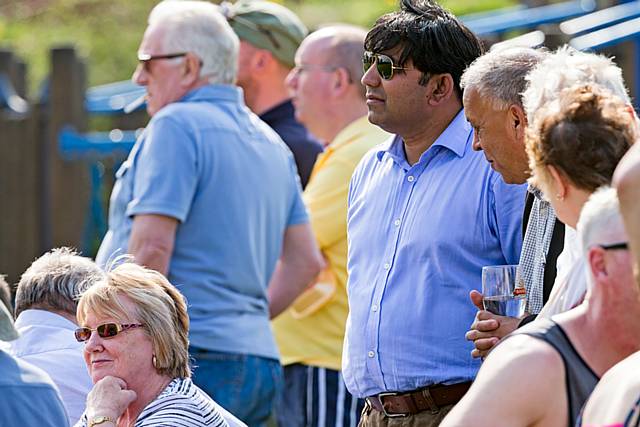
[442, 87]
[340, 81]
[560, 181]
[191, 69]
[517, 122]
[597, 263]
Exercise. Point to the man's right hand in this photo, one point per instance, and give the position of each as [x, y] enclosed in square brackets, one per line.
[487, 328]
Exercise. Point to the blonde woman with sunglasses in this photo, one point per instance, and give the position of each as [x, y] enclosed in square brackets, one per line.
[134, 326]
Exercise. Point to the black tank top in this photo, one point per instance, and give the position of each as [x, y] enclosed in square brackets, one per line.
[580, 378]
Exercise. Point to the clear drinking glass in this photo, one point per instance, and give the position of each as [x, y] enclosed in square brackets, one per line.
[503, 290]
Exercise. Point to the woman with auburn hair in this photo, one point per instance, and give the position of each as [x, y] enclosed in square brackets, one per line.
[574, 148]
[135, 327]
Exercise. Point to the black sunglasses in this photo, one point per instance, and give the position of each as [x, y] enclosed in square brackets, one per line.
[106, 330]
[384, 64]
[145, 59]
[615, 246]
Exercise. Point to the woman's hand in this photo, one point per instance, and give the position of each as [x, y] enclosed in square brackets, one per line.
[109, 397]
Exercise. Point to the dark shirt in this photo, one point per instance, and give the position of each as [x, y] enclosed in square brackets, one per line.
[580, 378]
[303, 145]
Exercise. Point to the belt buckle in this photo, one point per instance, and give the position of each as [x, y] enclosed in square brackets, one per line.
[384, 410]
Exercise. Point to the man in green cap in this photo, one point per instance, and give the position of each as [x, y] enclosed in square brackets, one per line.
[269, 37]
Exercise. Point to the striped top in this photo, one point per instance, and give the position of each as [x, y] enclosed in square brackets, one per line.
[181, 404]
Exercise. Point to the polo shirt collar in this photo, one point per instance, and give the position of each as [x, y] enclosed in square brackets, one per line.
[353, 131]
[454, 138]
[214, 92]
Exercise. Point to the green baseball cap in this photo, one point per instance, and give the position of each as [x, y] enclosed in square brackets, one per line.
[268, 26]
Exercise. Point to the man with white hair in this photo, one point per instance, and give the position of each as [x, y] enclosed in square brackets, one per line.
[616, 398]
[542, 374]
[209, 197]
[46, 302]
[559, 70]
[493, 105]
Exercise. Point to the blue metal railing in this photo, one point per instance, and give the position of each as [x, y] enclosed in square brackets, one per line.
[528, 18]
[601, 19]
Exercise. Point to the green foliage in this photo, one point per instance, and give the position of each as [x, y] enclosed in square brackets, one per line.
[107, 32]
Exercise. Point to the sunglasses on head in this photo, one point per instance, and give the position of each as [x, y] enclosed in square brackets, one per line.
[615, 246]
[384, 64]
[106, 330]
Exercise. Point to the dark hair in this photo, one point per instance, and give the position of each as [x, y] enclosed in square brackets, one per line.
[430, 36]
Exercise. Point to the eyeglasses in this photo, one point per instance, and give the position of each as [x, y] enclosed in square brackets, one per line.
[106, 330]
[384, 64]
[298, 69]
[145, 59]
[615, 246]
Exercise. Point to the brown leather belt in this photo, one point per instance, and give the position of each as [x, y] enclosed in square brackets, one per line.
[412, 402]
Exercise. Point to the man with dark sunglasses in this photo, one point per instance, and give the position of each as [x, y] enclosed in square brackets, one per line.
[426, 213]
[269, 36]
[209, 197]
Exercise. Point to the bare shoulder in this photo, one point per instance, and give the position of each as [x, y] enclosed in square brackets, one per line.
[518, 384]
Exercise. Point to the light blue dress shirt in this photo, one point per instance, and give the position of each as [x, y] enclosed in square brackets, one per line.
[418, 239]
[232, 184]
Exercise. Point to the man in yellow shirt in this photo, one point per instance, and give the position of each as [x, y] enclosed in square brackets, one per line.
[330, 101]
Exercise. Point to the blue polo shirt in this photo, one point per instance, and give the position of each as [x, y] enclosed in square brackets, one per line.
[419, 236]
[29, 397]
[232, 184]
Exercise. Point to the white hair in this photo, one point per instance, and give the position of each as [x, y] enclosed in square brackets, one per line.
[500, 75]
[600, 222]
[199, 27]
[55, 281]
[568, 67]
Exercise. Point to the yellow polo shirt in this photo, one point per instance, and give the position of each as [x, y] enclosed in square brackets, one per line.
[316, 339]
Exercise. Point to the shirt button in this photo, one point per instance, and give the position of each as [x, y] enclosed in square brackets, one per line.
[387, 266]
[397, 222]
[374, 308]
[371, 354]
[410, 178]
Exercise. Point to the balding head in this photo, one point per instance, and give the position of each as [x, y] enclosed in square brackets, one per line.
[325, 83]
[343, 46]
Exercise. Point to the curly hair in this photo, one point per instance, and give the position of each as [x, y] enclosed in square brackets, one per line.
[583, 134]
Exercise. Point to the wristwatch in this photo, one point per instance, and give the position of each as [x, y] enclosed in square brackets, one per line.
[99, 420]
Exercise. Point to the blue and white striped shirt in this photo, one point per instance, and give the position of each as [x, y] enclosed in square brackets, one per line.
[182, 404]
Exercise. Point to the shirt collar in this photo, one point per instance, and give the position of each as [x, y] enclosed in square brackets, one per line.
[281, 111]
[353, 131]
[536, 192]
[454, 138]
[43, 317]
[214, 92]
